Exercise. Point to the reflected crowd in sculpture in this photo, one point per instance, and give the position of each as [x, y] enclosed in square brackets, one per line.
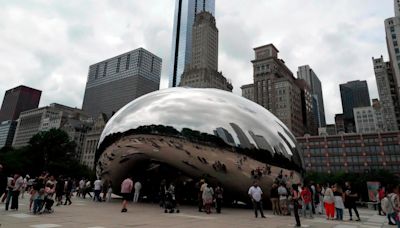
[184, 134]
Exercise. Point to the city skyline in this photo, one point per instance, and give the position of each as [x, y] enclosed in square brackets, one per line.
[70, 39]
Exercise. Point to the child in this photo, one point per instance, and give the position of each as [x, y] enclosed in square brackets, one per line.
[38, 201]
[339, 205]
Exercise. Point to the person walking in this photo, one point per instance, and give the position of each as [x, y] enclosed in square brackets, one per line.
[97, 189]
[394, 201]
[126, 190]
[138, 187]
[275, 200]
[295, 200]
[329, 203]
[255, 194]
[105, 189]
[306, 197]
[339, 205]
[283, 199]
[10, 187]
[88, 189]
[219, 195]
[350, 199]
[109, 191]
[201, 187]
[207, 197]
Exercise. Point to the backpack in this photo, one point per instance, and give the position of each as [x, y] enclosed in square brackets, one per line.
[385, 204]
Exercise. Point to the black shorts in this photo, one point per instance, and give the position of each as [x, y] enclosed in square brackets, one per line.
[126, 196]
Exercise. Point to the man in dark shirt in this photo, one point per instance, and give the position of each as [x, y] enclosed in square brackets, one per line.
[3, 182]
[351, 197]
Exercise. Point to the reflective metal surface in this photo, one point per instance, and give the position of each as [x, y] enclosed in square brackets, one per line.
[199, 132]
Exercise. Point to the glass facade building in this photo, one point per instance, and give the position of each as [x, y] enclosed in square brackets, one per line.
[7, 131]
[185, 12]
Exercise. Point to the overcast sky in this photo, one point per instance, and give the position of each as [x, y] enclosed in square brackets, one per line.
[49, 44]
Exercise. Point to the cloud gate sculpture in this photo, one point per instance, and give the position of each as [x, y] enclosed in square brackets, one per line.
[184, 134]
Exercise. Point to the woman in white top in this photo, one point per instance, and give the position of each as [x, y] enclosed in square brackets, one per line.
[339, 205]
[329, 203]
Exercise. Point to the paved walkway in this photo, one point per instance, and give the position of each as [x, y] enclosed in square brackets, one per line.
[88, 214]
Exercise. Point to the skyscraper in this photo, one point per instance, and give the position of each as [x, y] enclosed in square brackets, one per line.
[115, 82]
[17, 100]
[306, 73]
[387, 93]
[275, 88]
[392, 29]
[181, 53]
[354, 94]
[202, 72]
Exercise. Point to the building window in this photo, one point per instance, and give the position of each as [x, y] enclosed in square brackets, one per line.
[128, 59]
[152, 64]
[97, 71]
[392, 28]
[397, 50]
[394, 36]
[105, 69]
[395, 43]
[118, 64]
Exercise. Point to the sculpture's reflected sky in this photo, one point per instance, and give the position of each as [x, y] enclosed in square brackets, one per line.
[238, 121]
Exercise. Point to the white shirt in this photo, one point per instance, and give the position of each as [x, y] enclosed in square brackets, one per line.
[18, 184]
[81, 184]
[97, 184]
[138, 186]
[255, 193]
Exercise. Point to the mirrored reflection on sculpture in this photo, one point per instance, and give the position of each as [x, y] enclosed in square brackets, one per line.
[184, 134]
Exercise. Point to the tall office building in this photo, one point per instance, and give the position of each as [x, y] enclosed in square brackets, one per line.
[275, 88]
[308, 74]
[17, 100]
[7, 131]
[115, 82]
[181, 53]
[370, 119]
[387, 93]
[310, 126]
[202, 72]
[392, 29]
[354, 94]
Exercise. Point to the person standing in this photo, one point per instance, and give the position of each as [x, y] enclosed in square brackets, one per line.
[126, 190]
[138, 187]
[306, 197]
[202, 185]
[329, 203]
[109, 191]
[275, 200]
[105, 189]
[10, 187]
[350, 199]
[380, 196]
[295, 199]
[68, 191]
[283, 199]
[19, 182]
[255, 194]
[88, 189]
[24, 186]
[219, 195]
[3, 182]
[207, 197]
[60, 185]
[97, 190]
[339, 205]
[81, 188]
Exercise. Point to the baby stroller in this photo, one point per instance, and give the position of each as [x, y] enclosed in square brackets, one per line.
[170, 204]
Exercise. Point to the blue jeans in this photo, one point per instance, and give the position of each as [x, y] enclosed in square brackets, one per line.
[37, 205]
[339, 213]
[9, 196]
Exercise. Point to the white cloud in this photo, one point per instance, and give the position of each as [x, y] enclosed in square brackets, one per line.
[49, 45]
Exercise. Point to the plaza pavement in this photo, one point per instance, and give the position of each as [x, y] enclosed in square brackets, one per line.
[88, 214]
